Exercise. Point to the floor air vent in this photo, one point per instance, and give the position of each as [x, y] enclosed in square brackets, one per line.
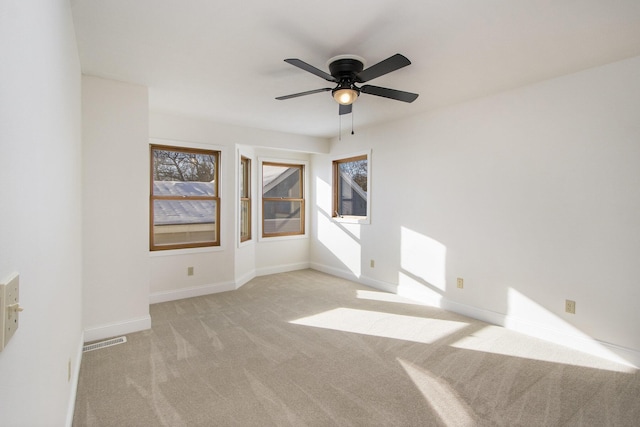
[104, 344]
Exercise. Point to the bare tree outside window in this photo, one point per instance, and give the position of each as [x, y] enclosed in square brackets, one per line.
[183, 166]
[350, 192]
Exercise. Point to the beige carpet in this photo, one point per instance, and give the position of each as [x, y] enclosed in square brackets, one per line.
[308, 349]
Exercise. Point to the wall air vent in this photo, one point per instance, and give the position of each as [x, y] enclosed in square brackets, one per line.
[104, 344]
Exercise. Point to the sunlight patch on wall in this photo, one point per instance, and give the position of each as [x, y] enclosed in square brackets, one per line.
[423, 257]
[418, 290]
[451, 409]
[323, 195]
[342, 245]
[385, 325]
[498, 340]
[342, 240]
[555, 328]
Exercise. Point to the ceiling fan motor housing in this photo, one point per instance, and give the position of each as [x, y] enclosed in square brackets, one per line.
[346, 69]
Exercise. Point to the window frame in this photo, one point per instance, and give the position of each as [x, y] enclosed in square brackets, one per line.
[336, 161]
[303, 166]
[245, 188]
[154, 248]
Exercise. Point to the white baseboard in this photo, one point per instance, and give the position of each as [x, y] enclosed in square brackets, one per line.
[118, 328]
[74, 383]
[245, 279]
[333, 271]
[195, 291]
[488, 316]
[578, 342]
[282, 268]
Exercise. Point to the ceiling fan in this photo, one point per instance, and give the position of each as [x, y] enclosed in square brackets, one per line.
[346, 71]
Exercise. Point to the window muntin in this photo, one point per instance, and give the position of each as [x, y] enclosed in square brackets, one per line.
[245, 199]
[184, 202]
[282, 199]
[350, 187]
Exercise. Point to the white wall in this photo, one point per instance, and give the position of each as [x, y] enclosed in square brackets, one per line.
[115, 207]
[230, 265]
[532, 196]
[40, 209]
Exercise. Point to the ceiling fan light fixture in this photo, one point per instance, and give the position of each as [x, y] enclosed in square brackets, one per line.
[345, 96]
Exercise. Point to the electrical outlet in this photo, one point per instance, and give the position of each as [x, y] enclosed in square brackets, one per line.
[9, 308]
[189, 271]
[570, 306]
[373, 263]
[460, 282]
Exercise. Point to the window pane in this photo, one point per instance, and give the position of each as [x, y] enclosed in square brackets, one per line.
[352, 188]
[184, 221]
[281, 181]
[245, 220]
[184, 167]
[245, 199]
[243, 190]
[282, 217]
[356, 171]
[244, 177]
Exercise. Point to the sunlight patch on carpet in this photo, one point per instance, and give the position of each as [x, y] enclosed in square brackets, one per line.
[442, 398]
[380, 324]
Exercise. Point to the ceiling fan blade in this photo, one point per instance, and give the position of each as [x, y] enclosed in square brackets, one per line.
[311, 69]
[398, 95]
[345, 109]
[309, 92]
[390, 64]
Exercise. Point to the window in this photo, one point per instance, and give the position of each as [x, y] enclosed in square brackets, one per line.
[282, 199]
[350, 187]
[184, 202]
[245, 199]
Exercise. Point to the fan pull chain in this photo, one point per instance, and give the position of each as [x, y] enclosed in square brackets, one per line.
[352, 122]
[340, 126]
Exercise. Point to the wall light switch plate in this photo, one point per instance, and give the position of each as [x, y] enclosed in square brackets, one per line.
[9, 308]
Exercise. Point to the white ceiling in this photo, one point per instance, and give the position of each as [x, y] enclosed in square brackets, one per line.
[223, 60]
